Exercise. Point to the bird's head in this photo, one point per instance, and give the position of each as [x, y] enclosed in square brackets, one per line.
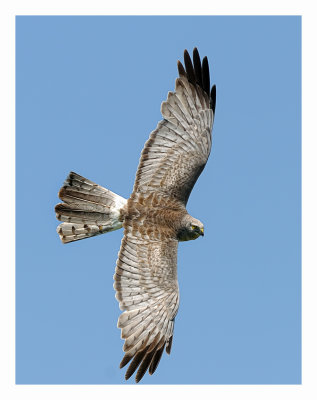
[191, 229]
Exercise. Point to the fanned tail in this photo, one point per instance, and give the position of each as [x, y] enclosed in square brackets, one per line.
[88, 209]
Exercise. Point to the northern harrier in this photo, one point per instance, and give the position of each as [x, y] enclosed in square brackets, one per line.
[154, 218]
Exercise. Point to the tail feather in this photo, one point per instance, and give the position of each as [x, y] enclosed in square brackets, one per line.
[88, 209]
[77, 214]
[70, 232]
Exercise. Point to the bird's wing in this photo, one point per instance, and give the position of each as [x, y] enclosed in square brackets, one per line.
[147, 290]
[178, 149]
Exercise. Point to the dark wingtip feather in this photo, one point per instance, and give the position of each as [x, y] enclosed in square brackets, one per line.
[169, 345]
[213, 98]
[197, 67]
[144, 366]
[181, 69]
[189, 68]
[125, 361]
[156, 359]
[197, 73]
[135, 363]
[205, 72]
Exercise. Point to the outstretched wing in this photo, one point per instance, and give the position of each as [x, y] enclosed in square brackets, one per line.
[178, 149]
[147, 289]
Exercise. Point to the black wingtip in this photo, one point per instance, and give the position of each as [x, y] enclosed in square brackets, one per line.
[197, 67]
[135, 363]
[181, 69]
[213, 98]
[156, 360]
[205, 71]
[197, 73]
[189, 68]
[125, 361]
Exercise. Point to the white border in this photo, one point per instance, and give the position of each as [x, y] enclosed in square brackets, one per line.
[8, 389]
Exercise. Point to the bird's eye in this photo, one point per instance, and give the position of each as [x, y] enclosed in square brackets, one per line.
[194, 227]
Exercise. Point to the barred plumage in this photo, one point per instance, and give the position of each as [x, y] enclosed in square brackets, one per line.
[88, 209]
[154, 218]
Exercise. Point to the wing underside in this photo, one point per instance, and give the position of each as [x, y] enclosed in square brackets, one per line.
[147, 290]
[178, 149]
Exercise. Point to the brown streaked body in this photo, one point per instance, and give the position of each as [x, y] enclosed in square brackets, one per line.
[154, 218]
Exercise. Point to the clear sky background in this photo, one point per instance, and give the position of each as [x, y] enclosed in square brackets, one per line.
[88, 93]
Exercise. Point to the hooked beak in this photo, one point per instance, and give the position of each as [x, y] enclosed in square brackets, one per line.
[202, 232]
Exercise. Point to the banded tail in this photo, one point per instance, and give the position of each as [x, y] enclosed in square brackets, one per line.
[88, 209]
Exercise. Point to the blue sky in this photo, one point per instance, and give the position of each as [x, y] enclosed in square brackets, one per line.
[88, 93]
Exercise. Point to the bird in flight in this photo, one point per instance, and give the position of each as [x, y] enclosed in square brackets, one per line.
[154, 218]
